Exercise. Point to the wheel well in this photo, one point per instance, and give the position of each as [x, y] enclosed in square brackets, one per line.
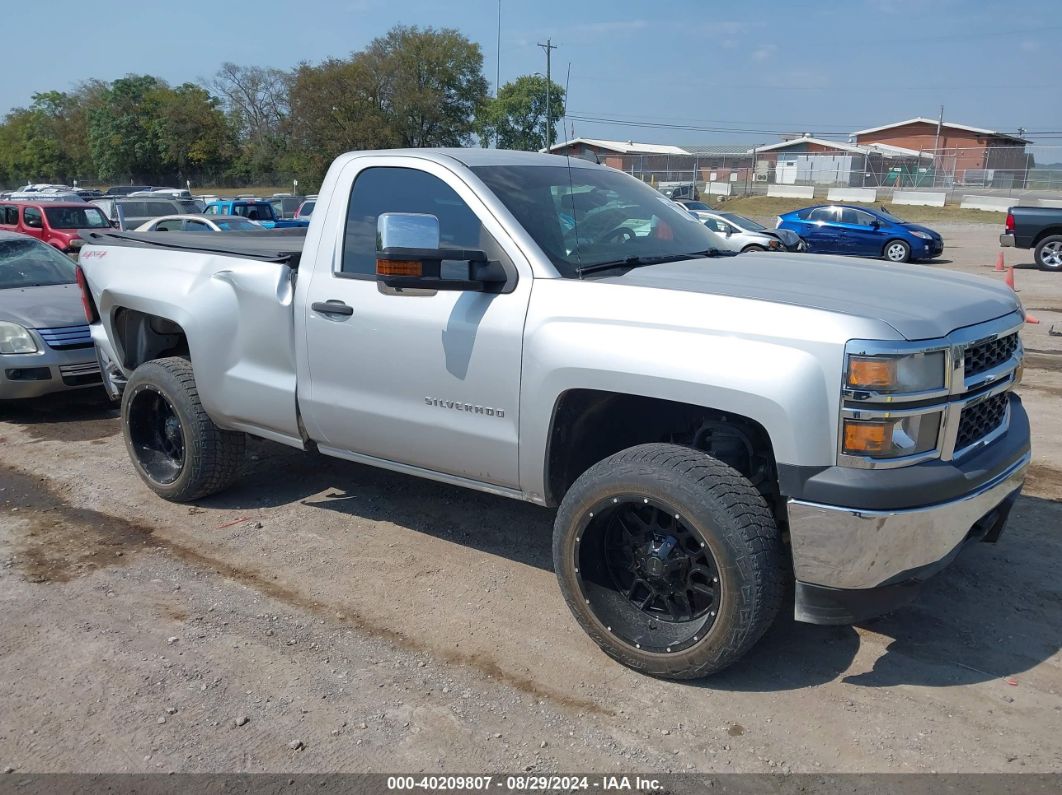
[1051, 230]
[141, 337]
[589, 425]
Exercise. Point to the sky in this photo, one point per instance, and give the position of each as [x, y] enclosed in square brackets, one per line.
[735, 72]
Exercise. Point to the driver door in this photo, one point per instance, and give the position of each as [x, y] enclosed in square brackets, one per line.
[420, 378]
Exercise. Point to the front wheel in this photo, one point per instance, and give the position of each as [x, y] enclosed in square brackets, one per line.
[176, 448]
[1049, 253]
[897, 251]
[669, 559]
[747, 249]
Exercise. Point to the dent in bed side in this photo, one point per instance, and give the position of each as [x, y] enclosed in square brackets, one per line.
[232, 316]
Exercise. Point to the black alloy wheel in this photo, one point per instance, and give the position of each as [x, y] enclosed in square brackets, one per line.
[646, 574]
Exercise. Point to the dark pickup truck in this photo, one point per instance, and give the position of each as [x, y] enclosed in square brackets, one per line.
[1038, 228]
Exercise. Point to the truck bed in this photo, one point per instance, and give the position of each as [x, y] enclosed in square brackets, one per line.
[270, 245]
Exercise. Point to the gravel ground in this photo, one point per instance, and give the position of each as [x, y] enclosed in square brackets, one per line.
[325, 616]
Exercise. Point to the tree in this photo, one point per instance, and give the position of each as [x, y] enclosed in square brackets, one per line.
[410, 88]
[516, 118]
[194, 136]
[432, 82]
[122, 130]
[257, 101]
[336, 106]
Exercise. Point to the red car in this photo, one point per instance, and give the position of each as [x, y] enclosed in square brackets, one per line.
[58, 224]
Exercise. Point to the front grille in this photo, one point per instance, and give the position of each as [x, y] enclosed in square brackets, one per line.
[980, 419]
[987, 355]
[66, 337]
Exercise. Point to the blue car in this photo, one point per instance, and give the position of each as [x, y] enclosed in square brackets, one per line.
[260, 212]
[862, 232]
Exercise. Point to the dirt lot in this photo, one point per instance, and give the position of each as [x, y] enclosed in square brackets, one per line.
[355, 620]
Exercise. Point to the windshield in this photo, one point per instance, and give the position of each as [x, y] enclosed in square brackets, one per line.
[237, 225]
[582, 217]
[75, 218]
[255, 212]
[743, 222]
[29, 263]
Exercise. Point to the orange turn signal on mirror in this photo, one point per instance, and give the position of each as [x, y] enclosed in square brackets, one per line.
[867, 438]
[395, 267]
[871, 372]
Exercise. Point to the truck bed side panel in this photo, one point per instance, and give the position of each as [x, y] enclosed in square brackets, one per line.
[236, 314]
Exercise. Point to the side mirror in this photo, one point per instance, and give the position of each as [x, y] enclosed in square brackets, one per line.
[875, 224]
[408, 255]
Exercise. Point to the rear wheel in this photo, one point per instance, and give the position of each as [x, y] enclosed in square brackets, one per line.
[1049, 253]
[897, 251]
[669, 559]
[175, 447]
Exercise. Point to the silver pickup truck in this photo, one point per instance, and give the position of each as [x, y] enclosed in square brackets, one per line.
[717, 433]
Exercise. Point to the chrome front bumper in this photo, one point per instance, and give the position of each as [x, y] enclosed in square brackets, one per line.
[847, 548]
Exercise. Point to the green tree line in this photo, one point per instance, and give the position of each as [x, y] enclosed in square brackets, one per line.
[412, 87]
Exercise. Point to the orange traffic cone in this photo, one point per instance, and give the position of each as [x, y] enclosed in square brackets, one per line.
[999, 263]
[1031, 319]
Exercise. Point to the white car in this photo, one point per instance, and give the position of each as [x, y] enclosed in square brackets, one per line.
[742, 234]
[199, 223]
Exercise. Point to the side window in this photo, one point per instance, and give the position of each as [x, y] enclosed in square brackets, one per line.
[9, 215]
[32, 218]
[196, 226]
[405, 190]
[855, 217]
[822, 214]
[169, 225]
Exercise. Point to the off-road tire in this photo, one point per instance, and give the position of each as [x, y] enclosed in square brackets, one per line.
[1050, 248]
[731, 517]
[213, 457]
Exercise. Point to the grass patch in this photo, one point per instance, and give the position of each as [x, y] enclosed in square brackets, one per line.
[761, 207]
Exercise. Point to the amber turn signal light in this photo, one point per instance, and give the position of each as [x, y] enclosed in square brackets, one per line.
[871, 373]
[867, 438]
[395, 267]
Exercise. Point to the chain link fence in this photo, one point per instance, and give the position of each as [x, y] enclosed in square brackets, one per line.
[1007, 171]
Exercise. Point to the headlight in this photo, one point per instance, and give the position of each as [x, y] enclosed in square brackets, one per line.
[918, 372]
[16, 339]
[774, 245]
[923, 235]
[891, 437]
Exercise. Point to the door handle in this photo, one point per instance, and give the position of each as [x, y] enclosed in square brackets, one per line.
[332, 307]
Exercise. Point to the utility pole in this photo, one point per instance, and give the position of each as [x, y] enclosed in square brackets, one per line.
[936, 146]
[497, 76]
[548, 47]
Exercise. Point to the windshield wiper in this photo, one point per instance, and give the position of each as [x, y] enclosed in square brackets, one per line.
[637, 262]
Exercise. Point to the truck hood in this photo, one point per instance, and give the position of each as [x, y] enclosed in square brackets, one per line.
[53, 306]
[918, 302]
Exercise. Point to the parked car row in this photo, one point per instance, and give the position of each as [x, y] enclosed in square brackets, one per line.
[826, 229]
